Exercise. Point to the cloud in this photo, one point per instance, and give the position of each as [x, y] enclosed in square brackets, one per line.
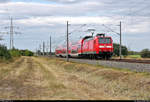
[66, 1]
[62, 20]
[38, 9]
[80, 8]
[4, 1]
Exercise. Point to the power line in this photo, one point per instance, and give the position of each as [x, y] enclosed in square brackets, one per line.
[110, 29]
[78, 28]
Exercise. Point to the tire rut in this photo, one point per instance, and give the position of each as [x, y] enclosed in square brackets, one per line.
[71, 81]
[18, 85]
[11, 68]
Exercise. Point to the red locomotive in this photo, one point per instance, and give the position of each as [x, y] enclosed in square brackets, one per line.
[99, 46]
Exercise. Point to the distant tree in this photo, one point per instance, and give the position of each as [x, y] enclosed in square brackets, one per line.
[116, 50]
[145, 53]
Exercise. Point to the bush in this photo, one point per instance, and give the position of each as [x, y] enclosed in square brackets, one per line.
[145, 53]
[15, 53]
[26, 53]
[4, 53]
[116, 50]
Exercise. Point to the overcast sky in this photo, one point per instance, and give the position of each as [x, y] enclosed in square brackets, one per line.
[38, 19]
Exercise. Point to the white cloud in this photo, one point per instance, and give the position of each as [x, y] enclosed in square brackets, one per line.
[62, 20]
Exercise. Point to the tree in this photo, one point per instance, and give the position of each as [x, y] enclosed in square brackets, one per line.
[4, 53]
[145, 53]
[116, 50]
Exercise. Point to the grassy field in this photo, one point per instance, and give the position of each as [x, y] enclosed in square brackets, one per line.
[134, 56]
[131, 57]
[39, 78]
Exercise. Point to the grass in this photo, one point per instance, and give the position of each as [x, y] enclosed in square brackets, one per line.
[112, 83]
[134, 56]
[52, 78]
[129, 57]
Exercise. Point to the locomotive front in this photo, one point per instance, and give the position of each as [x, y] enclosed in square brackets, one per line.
[104, 46]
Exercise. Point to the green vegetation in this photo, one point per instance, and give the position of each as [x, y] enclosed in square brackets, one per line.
[134, 56]
[133, 53]
[15, 52]
[145, 53]
[26, 53]
[4, 53]
[116, 50]
[18, 53]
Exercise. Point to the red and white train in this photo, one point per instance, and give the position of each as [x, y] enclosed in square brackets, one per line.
[99, 46]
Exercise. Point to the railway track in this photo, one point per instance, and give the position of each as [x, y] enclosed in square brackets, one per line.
[121, 60]
[131, 64]
[117, 60]
[131, 61]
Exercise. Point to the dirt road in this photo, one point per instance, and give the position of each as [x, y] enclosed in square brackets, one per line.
[35, 78]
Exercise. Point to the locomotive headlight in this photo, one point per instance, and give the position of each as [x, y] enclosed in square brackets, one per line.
[101, 46]
[108, 46]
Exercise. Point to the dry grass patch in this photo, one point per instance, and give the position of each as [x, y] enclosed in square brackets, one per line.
[111, 83]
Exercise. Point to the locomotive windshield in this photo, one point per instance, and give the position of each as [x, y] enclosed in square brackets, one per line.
[104, 40]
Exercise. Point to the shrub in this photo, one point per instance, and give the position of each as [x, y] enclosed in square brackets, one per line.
[4, 53]
[15, 52]
[26, 53]
[145, 53]
[116, 50]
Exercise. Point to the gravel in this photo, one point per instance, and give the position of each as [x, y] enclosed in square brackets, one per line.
[138, 67]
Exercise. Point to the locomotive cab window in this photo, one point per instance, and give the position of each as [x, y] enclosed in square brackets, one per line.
[104, 40]
[101, 40]
[107, 40]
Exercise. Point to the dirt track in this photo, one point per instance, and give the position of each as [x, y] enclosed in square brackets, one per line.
[43, 78]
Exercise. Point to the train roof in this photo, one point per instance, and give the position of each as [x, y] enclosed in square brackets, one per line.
[86, 37]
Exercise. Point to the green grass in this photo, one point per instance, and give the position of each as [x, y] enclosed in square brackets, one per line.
[134, 56]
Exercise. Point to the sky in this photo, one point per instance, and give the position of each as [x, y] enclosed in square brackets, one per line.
[37, 20]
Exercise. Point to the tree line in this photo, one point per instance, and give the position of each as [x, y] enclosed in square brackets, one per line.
[145, 53]
[6, 54]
